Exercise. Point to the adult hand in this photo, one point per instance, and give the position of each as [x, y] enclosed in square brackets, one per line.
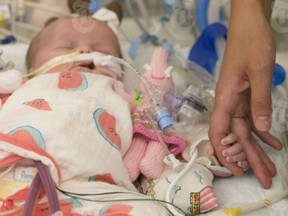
[243, 92]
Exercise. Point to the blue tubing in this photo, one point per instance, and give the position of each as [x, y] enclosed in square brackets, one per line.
[201, 14]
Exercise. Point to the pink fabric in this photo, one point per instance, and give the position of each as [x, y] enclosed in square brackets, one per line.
[208, 199]
[142, 125]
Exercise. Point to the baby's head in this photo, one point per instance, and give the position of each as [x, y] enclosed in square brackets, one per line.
[70, 34]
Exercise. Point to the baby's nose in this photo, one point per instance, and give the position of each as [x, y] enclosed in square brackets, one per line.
[85, 49]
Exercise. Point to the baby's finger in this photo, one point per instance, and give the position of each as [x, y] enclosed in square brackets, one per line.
[235, 149]
[235, 158]
[231, 138]
[243, 164]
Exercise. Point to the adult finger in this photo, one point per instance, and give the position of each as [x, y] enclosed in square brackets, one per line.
[266, 160]
[261, 106]
[256, 157]
[269, 139]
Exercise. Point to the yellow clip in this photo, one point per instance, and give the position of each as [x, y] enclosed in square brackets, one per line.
[232, 211]
[2, 20]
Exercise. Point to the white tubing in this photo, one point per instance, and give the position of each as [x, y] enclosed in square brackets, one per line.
[178, 177]
[214, 10]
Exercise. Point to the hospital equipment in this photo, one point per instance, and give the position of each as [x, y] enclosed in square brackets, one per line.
[242, 193]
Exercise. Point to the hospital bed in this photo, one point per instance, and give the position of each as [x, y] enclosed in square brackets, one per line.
[231, 191]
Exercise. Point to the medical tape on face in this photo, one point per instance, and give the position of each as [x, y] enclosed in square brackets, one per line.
[98, 59]
[51, 64]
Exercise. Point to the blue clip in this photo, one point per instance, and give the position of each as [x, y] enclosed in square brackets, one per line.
[204, 51]
[94, 6]
[279, 75]
[7, 40]
[132, 52]
[164, 20]
[167, 46]
[135, 44]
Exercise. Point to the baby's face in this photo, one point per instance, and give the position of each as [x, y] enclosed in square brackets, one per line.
[83, 34]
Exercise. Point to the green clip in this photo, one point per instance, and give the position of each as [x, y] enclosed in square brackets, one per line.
[137, 99]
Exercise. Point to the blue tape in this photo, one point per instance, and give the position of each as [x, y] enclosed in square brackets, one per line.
[204, 52]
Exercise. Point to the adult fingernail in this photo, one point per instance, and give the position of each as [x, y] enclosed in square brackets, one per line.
[224, 153]
[263, 123]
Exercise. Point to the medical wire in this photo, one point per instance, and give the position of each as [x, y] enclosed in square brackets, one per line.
[5, 170]
[76, 196]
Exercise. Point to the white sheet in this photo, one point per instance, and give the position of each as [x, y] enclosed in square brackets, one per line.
[236, 191]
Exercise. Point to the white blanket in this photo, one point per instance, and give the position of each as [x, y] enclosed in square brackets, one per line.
[74, 123]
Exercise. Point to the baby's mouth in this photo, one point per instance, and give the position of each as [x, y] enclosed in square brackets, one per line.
[84, 65]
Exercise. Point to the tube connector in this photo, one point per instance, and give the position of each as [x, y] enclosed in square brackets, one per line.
[163, 118]
[177, 166]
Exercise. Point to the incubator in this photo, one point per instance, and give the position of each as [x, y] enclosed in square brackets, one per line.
[192, 95]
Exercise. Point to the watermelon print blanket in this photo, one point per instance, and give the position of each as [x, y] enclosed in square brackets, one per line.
[79, 127]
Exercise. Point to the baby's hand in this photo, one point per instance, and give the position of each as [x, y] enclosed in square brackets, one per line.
[234, 153]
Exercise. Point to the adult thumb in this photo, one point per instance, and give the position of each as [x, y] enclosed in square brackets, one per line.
[261, 102]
